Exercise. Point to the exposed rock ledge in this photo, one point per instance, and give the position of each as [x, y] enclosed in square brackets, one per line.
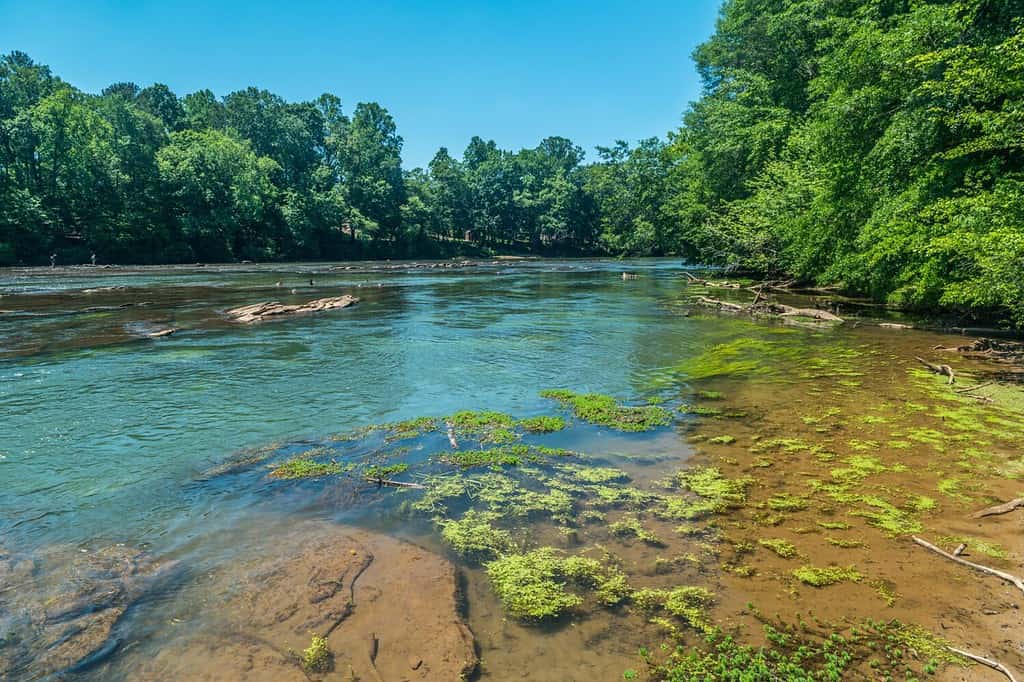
[387, 608]
[259, 312]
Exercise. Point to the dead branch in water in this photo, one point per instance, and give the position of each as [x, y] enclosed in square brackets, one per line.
[995, 665]
[1004, 508]
[770, 308]
[960, 549]
[720, 304]
[944, 370]
[970, 389]
[395, 484]
[451, 435]
[978, 567]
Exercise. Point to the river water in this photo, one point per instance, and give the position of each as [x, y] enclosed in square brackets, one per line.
[112, 439]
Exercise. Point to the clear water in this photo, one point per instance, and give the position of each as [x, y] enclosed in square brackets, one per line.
[103, 436]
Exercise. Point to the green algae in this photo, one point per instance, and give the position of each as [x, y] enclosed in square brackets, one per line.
[474, 537]
[893, 650]
[784, 549]
[602, 410]
[630, 526]
[715, 494]
[844, 544]
[317, 658]
[722, 440]
[744, 356]
[505, 455]
[822, 577]
[991, 549]
[701, 411]
[410, 428]
[711, 395]
[786, 502]
[534, 586]
[530, 585]
[502, 456]
[690, 603]
[304, 467]
[542, 424]
[381, 471]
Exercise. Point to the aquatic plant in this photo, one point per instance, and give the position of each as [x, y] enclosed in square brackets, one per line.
[512, 455]
[711, 395]
[472, 424]
[715, 494]
[893, 649]
[604, 411]
[786, 502]
[631, 526]
[410, 428]
[784, 549]
[542, 424]
[317, 658]
[690, 603]
[531, 585]
[722, 440]
[474, 537]
[385, 471]
[303, 467]
[821, 577]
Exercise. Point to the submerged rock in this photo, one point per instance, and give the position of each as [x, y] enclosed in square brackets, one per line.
[60, 608]
[380, 603]
[259, 312]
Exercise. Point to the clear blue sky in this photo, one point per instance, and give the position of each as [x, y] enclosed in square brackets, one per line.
[514, 71]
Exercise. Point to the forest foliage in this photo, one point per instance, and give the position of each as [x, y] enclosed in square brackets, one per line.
[877, 145]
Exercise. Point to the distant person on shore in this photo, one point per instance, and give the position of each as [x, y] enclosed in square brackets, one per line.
[93, 259]
[53, 260]
[311, 283]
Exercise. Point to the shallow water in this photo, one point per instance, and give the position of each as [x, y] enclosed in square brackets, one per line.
[109, 437]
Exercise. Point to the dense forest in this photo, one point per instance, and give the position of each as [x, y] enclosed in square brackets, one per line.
[873, 144]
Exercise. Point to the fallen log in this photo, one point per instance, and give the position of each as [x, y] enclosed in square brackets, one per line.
[721, 304]
[813, 313]
[1004, 508]
[944, 370]
[160, 334]
[259, 312]
[1003, 575]
[995, 665]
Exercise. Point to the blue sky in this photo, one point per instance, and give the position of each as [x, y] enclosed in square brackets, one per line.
[512, 71]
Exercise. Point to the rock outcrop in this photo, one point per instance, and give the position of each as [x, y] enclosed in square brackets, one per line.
[260, 312]
[386, 608]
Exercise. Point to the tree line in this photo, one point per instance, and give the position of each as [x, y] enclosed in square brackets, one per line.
[873, 144]
[141, 175]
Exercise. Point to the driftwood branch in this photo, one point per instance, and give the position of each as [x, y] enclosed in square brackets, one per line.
[451, 435]
[944, 370]
[970, 389]
[1018, 582]
[395, 484]
[995, 665]
[1004, 508]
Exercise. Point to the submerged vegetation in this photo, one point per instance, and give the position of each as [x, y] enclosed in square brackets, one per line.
[817, 490]
[304, 467]
[603, 410]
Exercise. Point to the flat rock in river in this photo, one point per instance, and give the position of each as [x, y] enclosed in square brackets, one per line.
[259, 312]
[378, 601]
[59, 608]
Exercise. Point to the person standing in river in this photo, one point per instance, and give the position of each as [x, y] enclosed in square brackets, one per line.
[93, 259]
[53, 260]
